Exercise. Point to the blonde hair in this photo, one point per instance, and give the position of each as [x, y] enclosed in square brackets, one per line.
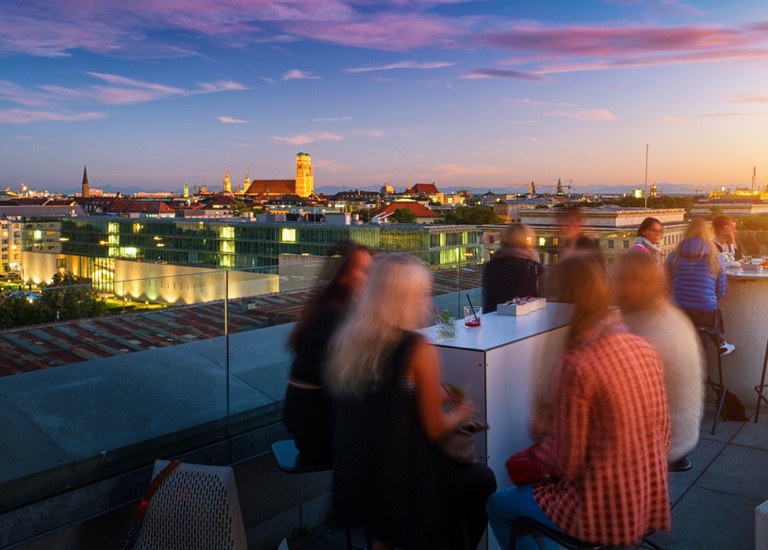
[699, 228]
[393, 301]
[518, 235]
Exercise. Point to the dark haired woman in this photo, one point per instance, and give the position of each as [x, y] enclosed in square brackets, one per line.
[648, 238]
[308, 412]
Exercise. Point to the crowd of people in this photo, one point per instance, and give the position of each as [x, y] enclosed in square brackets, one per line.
[622, 403]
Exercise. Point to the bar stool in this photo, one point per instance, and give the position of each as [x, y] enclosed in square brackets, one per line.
[525, 526]
[289, 461]
[759, 388]
[719, 386]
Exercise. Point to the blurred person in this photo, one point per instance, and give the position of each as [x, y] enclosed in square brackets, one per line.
[642, 295]
[603, 437]
[648, 238]
[571, 223]
[308, 410]
[725, 236]
[697, 274]
[513, 271]
[390, 474]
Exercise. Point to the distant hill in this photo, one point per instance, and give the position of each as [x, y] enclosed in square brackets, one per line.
[663, 188]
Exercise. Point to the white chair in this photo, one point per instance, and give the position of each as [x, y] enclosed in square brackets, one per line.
[196, 508]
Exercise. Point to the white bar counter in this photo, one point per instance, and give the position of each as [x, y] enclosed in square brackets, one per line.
[496, 364]
[745, 315]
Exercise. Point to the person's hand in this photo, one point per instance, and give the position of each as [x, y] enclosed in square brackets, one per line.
[462, 413]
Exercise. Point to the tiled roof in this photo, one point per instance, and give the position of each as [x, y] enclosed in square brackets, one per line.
[44, 346]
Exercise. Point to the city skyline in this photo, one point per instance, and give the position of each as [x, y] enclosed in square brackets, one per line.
[464, 94]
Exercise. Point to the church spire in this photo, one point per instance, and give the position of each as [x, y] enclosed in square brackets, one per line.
[86, 192]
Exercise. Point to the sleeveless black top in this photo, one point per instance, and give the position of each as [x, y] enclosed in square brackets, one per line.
[387, 475]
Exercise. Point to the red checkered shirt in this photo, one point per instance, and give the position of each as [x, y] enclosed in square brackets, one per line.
[610, 439]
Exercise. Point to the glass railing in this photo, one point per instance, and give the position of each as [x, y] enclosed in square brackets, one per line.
[172, 363]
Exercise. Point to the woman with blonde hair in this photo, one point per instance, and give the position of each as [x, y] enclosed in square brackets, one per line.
[603, 451]
[389, 473]
[697, 274]
[513, 272]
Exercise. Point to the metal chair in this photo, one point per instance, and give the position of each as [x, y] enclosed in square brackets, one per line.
[717, 386]
[525, 526]
[759, 388]
[196, 507]
[289, 461]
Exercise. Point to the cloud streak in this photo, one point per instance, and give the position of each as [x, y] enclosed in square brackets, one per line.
[303, 139]
[402, 65]
[24, 116]
[230, 120]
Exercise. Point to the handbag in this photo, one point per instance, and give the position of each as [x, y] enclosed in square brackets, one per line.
[138, 516]
[460, 445]
[525, 468]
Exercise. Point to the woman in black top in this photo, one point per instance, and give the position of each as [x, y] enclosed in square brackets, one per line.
[308, 412]
[389, 472]
[513, 271]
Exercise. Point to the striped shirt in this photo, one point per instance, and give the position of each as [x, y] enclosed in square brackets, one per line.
[610, 439]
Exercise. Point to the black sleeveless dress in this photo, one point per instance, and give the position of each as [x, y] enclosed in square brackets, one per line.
[387, 476]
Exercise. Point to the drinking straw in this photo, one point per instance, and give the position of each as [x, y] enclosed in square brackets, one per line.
[473, 308]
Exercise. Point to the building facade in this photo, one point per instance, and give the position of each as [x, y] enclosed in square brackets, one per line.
[103, 249]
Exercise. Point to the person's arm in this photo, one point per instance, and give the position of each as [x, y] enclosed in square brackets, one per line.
[722, 280]
[572, 402]
[424, 370]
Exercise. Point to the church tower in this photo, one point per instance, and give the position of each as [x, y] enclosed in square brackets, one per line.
[186, 190]
[532, 190]
[247, 181]
[305, 181]
[86, 192]
[560, 187]
[227, 182]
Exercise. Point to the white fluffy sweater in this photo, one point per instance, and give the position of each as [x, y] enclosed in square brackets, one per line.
[672, 334]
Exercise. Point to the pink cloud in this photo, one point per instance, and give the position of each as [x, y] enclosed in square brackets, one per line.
[128, 91]
[583, 114]
[23, 116]
[230, 120]
[303, 139]
[749, 98]
[296, 74]
[616, 41]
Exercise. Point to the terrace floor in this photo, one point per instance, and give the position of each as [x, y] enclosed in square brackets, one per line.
[713, 504]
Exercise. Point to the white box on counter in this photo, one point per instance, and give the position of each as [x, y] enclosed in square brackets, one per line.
[521, 306]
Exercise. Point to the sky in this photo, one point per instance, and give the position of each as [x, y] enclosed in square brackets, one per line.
[497, 93]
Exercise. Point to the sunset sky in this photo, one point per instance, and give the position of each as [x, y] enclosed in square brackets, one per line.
[496, 93]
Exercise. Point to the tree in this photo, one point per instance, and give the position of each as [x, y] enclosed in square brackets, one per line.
[72, 297]
[471, 215]
[364, 214]
[403, 215]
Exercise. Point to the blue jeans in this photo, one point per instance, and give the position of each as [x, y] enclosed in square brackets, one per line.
[505, 506]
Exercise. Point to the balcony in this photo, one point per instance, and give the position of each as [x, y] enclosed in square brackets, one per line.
[96, 401]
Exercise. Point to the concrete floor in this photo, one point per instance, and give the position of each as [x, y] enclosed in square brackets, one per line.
[713, 504]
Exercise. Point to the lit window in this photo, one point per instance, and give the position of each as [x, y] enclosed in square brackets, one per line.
[288, 235]
[542, 241]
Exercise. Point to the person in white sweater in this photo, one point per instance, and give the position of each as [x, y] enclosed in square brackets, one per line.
[642, 295]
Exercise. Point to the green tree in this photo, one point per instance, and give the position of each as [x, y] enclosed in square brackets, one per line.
[16, 310]
[471, 215]
[364, 214]
[72, 297]
[715, 211]
[403, 215]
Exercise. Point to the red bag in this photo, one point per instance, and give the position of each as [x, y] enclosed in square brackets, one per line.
[524, 468]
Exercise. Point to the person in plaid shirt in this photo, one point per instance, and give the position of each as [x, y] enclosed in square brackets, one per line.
[604, 436]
